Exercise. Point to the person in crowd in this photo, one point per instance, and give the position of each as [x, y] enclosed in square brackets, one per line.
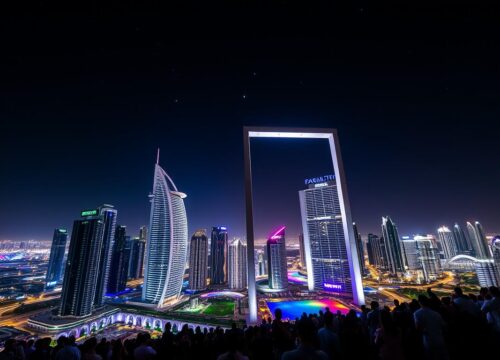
[70, 351]
[307, 338]
[143, 350]
[89, 350]
[431, 327]
[328, 340]
[388, 338]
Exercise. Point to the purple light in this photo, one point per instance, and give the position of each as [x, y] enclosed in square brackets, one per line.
[278, 233]
[328, 286]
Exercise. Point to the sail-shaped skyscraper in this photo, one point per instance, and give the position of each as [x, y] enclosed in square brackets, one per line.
[166, 248]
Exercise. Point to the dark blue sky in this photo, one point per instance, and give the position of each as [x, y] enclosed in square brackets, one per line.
[85, 99]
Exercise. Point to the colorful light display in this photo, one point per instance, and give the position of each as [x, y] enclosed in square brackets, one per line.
[296, 277]
[294, 309]
[229, 294]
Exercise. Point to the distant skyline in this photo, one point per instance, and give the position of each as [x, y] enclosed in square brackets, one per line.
[82, 112]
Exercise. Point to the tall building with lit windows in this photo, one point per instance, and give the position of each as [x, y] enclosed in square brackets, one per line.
[108, 213]
[276, 251]
[198, 260]
[237, 265]
[326, 235]
[359, 247]
[166, 247]
[462, 242]
[136, 264]
[120, 259]
[395, 255]
[448, 244]
[478, 240]
[218, 255]
[57, 249]
[83, 265]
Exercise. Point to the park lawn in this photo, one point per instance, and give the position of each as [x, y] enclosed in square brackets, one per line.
[220, 308]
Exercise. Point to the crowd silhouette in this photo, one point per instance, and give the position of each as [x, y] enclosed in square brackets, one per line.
[456, 327]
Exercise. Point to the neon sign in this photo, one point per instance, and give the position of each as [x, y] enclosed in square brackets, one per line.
[320, 179]
[89, 212]
[334, 287]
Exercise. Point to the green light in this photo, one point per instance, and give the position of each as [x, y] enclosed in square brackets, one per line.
[89, 212]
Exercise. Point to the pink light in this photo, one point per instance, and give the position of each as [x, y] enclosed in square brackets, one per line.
[277, 234]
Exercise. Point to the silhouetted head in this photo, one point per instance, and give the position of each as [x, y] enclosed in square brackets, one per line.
[374, 305]
[306, 331]
[458, 291]
[423, 300]
[328, 319]
[396, 302]
[278, 314]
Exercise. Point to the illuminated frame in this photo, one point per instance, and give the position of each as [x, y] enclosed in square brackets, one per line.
[299, 133]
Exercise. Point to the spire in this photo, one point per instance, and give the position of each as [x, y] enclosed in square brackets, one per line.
[158, 156]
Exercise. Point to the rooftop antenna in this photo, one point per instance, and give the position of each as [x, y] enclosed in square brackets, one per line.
[158, 156]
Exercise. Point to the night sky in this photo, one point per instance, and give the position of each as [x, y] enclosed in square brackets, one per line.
[87, 97]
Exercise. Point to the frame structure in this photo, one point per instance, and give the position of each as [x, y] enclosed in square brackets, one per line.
[299, 133]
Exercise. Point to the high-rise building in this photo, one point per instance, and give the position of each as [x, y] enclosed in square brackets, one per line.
[108, 213]
[237, 265]
[462, 242]
[375, 247]
[198, 260]
[478, 241]
[218, 255]
[57, 249]
[82, 266]
[359, 247]
[136, 263]
[488, 272]
[302, 251]
[260, 262]
[429, 257]
[143, 233]
[166, 247]
[120, 259]
[395, 256]
[327, 237]
[447, 241]
[422, 255]
[276, 252]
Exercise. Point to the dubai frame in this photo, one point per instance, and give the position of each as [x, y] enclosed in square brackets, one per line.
[299, 133]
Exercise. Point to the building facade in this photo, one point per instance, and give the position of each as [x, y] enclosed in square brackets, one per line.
[462, 242]
[447, 240]
[198, 260]
[136, 263]
[395, 256]
[108, 214]
[57, 250]
[237, 265]
[325, 238]
[276, 251]
[166, 247]
[119, 261]
[359, 247]
[478, 240]
[82, 266]
[218, 255]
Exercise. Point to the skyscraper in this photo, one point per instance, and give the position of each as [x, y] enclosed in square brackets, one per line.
[57, 249]
[429, 257]
[359, 247]
[218, 255]
[237, 265]
[326, 237]
[423, 256]
[136, 264]
[478, 240]
[488, 272]
[82, 265]
[447, 241]
[166, 247]
[108, 213]
[120, 259]
[198, 260]
[260, 262]
[276, 252]
[376, 251]
[395, 256]
[302, 251]
[462, 242]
